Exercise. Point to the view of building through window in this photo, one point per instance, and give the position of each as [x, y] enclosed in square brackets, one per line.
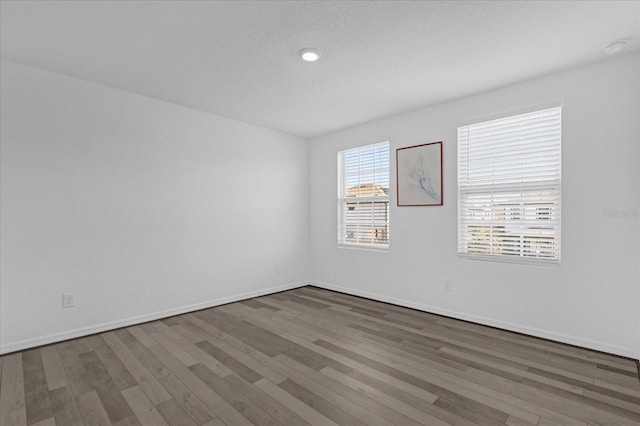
[363, 195]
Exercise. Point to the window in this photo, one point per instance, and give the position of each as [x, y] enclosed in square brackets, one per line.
[509, 188]
[363, 196]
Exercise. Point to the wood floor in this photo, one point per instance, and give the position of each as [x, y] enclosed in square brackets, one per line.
[311, 356]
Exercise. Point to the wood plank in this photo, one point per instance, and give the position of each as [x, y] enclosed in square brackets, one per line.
[175, 348]
[53, 369]
[419, 379]
[250, 411]
[206, 359]
[294, 404]
[143, 408]
[215, 422]
[162, 327]
[452, 380]
[293, 321]
[156, 392]
[36, 392]
[515, 421]
[258, 305]
[358, 397]
[118, 372]
[593, 389]
[92, 411]
[617, 388]
[81, 345]
[275, 409]
[327, 408]
[416, 415]
[252, 361]
[174, 414]
[209, 332]
[262, 339]
[216, 404]
[12, 399]
[46, 422]
[110, 397]
[477, 416]
[230, 362]
[616, 402]
[189, 402]
[547, 422]
[129, 421]
[338, 409]
[185, 333]
[65, 408]
[74, 369]
[583, 407]
[527, 399]
[142, 336]
[357, 368]
[461, 383]
[431, 411]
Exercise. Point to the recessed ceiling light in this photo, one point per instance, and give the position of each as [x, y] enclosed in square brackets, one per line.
[309, 55]
[615, 46]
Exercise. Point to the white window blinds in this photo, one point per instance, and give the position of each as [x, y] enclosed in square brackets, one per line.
[363, 196]
[509, 188]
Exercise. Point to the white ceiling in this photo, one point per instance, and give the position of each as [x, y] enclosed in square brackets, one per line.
[239, 58]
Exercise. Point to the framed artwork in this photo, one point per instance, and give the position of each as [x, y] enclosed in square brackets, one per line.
[419, 175]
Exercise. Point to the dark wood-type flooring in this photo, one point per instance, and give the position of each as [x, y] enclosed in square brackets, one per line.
[314, 357]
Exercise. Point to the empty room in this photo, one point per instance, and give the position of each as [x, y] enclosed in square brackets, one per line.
[319, 213]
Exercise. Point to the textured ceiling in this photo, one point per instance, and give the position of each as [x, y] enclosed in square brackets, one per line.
[239, 59]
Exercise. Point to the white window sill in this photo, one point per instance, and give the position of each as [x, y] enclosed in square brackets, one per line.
[514, 260]
[364, 247]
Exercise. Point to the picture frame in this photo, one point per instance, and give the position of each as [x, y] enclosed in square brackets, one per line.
[419, 175]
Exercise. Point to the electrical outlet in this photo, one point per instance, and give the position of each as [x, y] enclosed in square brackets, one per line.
[448, 286]
[68, 300]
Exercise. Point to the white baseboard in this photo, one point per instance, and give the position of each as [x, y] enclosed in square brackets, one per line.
[545, 334]
[99, 328]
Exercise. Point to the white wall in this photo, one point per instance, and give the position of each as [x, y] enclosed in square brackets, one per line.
[591, 299]
[140, 207]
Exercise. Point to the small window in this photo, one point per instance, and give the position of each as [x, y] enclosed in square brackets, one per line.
[363, 196]
[509, 188]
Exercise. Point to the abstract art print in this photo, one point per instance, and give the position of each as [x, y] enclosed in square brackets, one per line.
[419, 175]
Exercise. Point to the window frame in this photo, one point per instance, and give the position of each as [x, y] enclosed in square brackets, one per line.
[537, 201]
[343, 199]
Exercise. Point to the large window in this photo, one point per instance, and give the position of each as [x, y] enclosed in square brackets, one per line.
[509, 188]
[363, 196]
